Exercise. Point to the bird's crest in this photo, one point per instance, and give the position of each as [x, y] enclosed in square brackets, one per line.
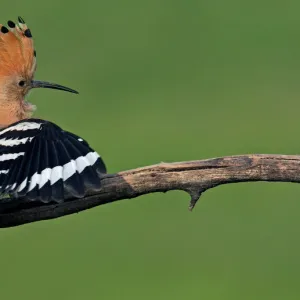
[17, 54]
[17, 68]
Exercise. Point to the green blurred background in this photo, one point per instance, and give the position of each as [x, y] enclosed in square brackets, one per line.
[168, 81]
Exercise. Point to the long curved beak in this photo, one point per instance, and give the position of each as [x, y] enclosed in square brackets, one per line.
[49, 85]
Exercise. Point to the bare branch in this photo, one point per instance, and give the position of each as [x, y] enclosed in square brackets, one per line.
[194, 177]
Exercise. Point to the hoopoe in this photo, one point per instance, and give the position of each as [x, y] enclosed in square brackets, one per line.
[38, 160]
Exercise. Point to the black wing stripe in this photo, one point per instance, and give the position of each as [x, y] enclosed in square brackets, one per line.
[72, 180]
[58, 186]
[25, 170]
[9, 182]
[43, 186]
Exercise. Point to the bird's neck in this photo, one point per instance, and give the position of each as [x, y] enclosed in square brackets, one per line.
[7, 118]
[10, 112]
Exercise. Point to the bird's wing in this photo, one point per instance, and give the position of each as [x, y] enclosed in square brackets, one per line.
[41, 162]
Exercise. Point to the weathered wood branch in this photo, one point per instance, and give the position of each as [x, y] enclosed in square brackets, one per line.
[194, 177]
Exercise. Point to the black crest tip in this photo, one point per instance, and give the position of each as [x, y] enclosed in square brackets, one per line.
[21, 20]
[4, 29]
[27, 33]
[11, 24]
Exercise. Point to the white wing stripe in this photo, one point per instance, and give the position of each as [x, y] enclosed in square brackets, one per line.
[81, 163]
[9, 156]
[22, 127]
[69, 169]
[60, 172]
[22, 185]
[56, 174]
[92, 157]
[14, 142]
[33, 181]
[44, 177]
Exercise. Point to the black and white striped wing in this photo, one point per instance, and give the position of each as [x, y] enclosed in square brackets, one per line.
[41, 162]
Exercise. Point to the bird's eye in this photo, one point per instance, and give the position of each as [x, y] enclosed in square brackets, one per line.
[21, 83]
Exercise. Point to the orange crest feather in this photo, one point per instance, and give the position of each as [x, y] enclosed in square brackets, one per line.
[17, 54]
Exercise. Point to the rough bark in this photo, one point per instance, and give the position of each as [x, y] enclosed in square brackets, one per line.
[194, 177]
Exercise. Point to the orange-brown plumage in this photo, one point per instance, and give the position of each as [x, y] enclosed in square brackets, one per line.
[17, 64]
[16, 51]
[17, 68]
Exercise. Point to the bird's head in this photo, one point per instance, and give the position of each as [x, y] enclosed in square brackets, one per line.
[17, 68]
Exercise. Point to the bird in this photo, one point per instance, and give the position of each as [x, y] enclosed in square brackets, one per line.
[39, 161]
